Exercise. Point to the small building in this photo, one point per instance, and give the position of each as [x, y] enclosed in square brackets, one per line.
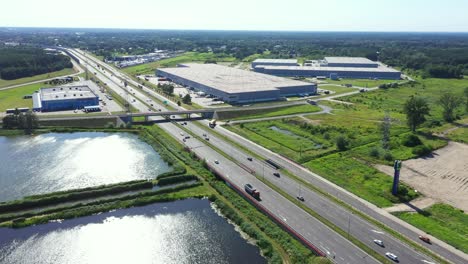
[274, 62]
[64, 98]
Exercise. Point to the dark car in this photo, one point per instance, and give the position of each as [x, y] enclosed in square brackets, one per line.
[300, 198]
[249, 159]
[276, 174]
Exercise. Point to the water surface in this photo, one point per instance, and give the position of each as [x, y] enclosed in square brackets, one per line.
[187, 231]
[61, 161]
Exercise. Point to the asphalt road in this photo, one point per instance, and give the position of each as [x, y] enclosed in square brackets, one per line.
[335, 246]
[357, 227]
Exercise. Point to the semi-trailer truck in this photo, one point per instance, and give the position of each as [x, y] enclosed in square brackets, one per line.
[252, 191]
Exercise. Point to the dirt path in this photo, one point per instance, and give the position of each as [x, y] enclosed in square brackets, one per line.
[442, 176]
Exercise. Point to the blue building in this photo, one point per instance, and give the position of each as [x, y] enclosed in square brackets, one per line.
[64, 98]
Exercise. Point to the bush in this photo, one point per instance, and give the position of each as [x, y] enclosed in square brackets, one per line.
[388, 156]
[342, 143]
[411, 140]
[422, 150]
[374, 152]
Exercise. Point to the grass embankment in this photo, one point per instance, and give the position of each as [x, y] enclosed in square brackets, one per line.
[13, 98]
[276, 244]
[67, 71]
[442, 221]
[149, 68]
[365, 83]
[270, 112]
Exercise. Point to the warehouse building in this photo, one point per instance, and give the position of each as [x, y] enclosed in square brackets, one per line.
[335, 67]
[234, 85]
[331, 72]
[64, 98]
[274, 62]
[354, 62]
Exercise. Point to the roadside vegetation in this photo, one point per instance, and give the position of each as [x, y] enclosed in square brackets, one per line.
[66, 71]
[13, 98]
[22, 61]
[269, 112]
[442, 221]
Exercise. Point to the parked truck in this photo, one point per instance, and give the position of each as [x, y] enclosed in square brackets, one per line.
[252, 191]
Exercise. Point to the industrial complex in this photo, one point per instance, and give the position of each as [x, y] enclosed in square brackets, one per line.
[64, 98]
[330, 67]
[234, 85]
[274, 62]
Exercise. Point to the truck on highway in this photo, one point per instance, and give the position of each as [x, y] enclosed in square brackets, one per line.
[212, 123]
[252, 191]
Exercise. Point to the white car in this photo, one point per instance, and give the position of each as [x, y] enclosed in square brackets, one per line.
[379, 242]
[391, 256]
[216, 161]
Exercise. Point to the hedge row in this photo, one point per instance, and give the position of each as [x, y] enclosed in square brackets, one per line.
[22, 217]
[176, 179]
[71, 196]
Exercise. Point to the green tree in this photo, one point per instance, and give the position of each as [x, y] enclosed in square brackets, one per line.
[466, 99]
[178, 103]
[416, 109]
[449, 103]
[187, 99]
[342, 143]
[167, 89]
[30, 122]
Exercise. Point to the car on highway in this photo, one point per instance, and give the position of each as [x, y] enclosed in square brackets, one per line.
[392, 256]
[379, 242]
[204, 134]
[216, 161]
[425, 239]
[187, 137]
[300, 198]
[249, 158]
[276, 174]
[182, 134]
[207, 138]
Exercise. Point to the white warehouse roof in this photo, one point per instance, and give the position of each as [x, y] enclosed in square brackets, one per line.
[231, 80]
[275, 61]
[349, 60]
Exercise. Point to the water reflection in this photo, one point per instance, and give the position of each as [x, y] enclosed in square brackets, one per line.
[186, 231]
[54, 162]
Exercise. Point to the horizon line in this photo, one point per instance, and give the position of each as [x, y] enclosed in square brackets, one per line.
[229, 30]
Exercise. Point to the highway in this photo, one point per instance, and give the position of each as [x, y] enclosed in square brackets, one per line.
[313, 231]
[341, 217]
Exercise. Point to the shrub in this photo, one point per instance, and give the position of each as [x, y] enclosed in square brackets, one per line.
[411, 140]
[422, 150]
[342, 143]
[374, 152]
[388, 156]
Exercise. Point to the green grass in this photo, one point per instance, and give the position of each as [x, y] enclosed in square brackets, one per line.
[460, 135]
[444, 222]
[290, 110]
[361, 82]
[66, 71]
[336, 89]
[392, 99]
[13, 98]
[149, 68]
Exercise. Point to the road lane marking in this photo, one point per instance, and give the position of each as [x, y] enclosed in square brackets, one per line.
[378, 232]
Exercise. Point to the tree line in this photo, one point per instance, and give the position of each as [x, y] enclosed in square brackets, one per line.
[19, 62]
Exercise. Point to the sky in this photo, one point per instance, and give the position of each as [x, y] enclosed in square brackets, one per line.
[275, 15]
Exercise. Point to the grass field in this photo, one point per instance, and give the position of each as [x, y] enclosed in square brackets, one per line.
[13, 98]
[291, 110]
[336, 89]
[361, 82]
[444, 222]
[392, 99]
[149, 68]
[5, 83]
